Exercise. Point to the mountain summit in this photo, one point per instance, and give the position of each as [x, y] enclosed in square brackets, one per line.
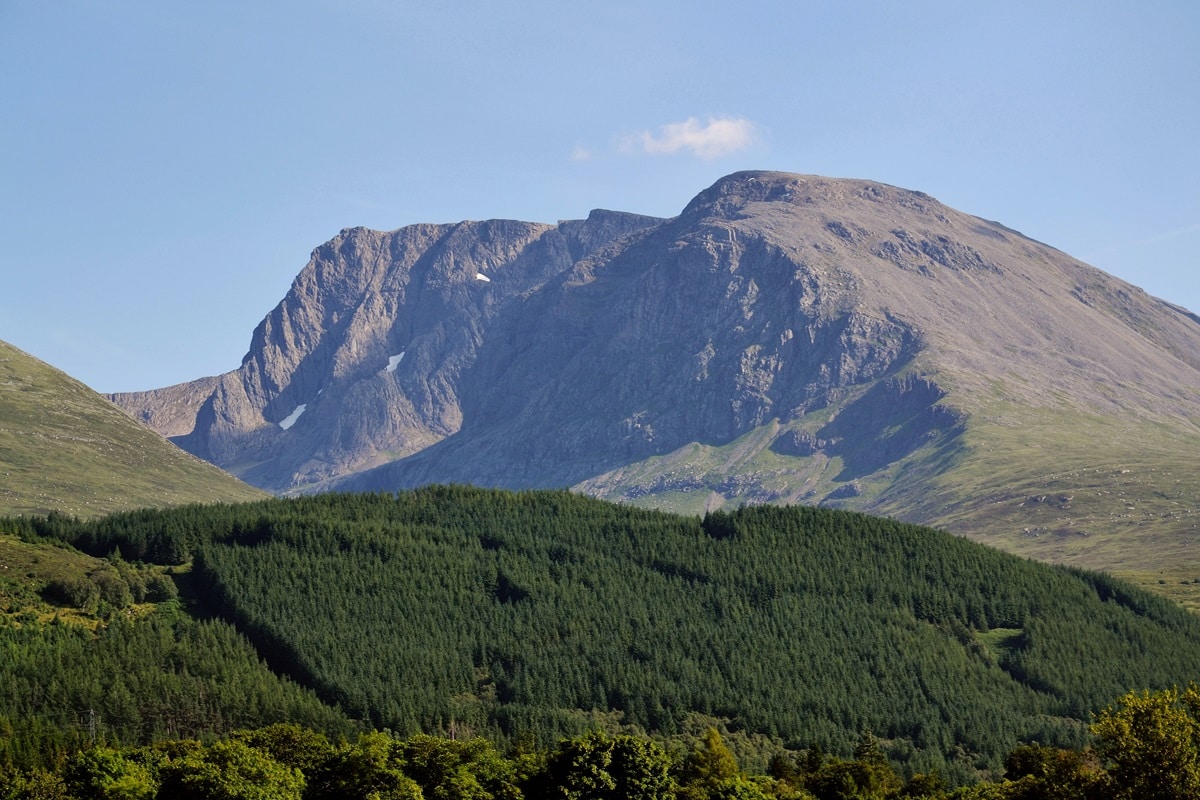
[786, 338]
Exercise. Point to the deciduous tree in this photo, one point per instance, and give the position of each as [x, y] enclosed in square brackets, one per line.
[1149, 741]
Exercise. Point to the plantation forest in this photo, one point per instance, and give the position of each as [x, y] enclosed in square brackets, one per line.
[526, 624]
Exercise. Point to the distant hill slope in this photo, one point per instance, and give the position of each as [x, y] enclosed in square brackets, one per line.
[451, 608]
[65, 448]
[786, 338]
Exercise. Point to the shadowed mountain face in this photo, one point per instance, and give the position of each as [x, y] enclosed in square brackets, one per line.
[786, 338]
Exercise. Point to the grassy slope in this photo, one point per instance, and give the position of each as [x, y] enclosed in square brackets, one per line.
[26, 568]
[64, 448]
[1065, 488]
[1121, 496]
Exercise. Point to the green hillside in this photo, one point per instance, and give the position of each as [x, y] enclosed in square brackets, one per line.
[483, 612]
[100, 650]
[64, 448]
[1062, 486]
[1071, 488]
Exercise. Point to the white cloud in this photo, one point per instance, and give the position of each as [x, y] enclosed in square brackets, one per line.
[581, 153]
[717, 137]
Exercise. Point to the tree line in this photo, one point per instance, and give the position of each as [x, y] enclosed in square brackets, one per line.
[1147, 747]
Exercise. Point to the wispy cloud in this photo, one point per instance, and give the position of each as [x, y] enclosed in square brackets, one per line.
[581, 153]
[716, 137]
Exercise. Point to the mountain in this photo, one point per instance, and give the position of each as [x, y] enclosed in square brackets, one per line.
[65, 448]
[786, 338]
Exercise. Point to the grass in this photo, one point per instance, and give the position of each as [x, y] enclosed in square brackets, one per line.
[64, 448]
[1118, 495]
[1178, 583]
[1088, 491]
[695, 478]
[999, 641]
[25, 571]
[1121, 496]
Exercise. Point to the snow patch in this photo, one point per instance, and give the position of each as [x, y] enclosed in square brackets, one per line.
[291, 418]
[394, 361]
[479, 276]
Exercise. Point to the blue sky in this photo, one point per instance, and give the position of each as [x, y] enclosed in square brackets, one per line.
[166, 168]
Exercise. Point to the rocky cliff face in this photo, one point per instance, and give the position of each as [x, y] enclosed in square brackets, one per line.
[785, 338]
[364, 360]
